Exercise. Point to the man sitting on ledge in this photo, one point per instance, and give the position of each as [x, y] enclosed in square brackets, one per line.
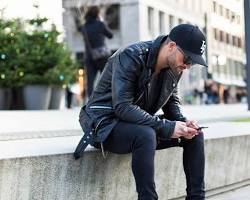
[137, 81]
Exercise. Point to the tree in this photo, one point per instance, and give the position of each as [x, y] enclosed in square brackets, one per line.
[31, 54]
[12, 41]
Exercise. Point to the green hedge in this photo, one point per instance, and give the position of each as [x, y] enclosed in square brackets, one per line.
[31, 54]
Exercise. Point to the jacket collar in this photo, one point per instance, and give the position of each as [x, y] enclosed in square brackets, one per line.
[154, 50]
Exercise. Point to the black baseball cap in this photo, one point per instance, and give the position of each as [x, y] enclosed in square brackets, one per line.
[191, 40]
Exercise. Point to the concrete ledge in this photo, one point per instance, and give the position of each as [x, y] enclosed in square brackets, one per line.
[38, 147]
[53, 142]
[45, 168]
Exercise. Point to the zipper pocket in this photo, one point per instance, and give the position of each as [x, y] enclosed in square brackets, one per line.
[101, 107]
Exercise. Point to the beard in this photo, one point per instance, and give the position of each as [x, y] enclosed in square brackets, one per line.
[172, 64]
[176, 69]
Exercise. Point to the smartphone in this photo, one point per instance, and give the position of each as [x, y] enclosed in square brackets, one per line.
[201, 127]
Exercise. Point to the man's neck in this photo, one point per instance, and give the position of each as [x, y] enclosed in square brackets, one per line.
[157, 69]
[161, 60]
[159, 65]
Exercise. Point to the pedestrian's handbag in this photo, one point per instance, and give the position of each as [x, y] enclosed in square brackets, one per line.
[98, 52]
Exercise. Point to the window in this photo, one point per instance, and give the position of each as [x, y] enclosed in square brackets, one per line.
[224, 37]
[221, 10]
[214, 6]
[229, 63]
[237, 68]
[228, 67]
[150, 19]
[227, 38]
[242, 43]
[215, 64]
[234, 41]
[233, 17]
[232, 67]
[239, 42]
[112, 16]
[230, 39]
[221, 36]
[214, 60]
[238, 19]
[224, 12]
[241, 69]
[180, 21]
[224, 69]
[215, 34]
[162, 22]
[244, 73]
[227, 13]
[171, 22]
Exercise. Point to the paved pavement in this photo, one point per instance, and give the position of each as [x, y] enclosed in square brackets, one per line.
[55, 123]
[214, 113]
[38, 124]
[22, 127]
[19, 125]
[238, 194]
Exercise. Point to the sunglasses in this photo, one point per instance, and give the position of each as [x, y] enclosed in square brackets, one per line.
[187, 60]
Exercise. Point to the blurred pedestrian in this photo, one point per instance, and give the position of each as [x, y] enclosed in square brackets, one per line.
[197, 96]
[211, 90]
[94, 32]
[69, 95]
[226, 96]
[120, 115]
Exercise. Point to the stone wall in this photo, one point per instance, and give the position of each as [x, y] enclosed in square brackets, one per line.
[94, 178]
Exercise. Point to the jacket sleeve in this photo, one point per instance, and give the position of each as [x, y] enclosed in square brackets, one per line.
[126, 71]
[172, 109]
[106, 31]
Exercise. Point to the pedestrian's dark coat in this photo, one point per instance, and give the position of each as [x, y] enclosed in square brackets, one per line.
[97, 31]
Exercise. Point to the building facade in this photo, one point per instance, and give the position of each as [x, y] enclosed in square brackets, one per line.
[226, 47]
[141, 20]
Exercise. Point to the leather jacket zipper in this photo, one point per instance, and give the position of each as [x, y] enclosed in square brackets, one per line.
[146, 88]
[101, 107]
[139, 97]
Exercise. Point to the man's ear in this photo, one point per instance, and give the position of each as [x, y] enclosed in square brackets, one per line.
[171, 45]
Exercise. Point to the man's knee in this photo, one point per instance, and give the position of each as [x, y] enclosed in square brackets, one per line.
[198, 140]
[147, 136]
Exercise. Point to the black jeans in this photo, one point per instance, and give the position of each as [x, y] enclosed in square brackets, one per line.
[142, 142]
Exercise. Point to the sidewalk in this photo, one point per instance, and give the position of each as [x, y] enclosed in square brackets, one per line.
[58, 123]
[237, 194]
[215, 113]
[30, 134]
[46, 132]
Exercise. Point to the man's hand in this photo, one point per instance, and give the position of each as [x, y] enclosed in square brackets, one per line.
[184, 130]
[192, 124]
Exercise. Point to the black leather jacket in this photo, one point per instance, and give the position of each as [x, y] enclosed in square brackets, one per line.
[123, 89]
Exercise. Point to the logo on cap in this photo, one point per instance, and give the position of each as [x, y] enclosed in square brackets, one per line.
[203, 46]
